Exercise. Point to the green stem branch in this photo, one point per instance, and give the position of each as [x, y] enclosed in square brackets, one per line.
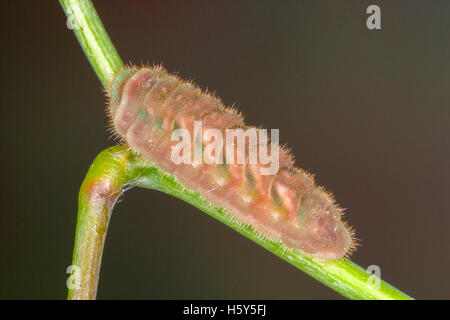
[116, 167]
[93, 38]
[98, 193]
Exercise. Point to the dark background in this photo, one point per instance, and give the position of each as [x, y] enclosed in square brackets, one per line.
[366, 111]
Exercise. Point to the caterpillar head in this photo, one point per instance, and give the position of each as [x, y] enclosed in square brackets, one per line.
[318, 229]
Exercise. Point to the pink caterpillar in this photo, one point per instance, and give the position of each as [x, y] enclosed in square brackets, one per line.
[147, 104]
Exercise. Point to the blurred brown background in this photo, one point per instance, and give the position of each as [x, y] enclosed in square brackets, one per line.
[366, 111]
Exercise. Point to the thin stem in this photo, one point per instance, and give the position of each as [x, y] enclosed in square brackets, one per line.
[343, 275]
[93, 38]
[99, 191]
[115, 167]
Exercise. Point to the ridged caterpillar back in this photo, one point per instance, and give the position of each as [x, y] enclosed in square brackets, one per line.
[147, 104]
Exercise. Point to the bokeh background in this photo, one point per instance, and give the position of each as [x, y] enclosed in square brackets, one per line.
[366, 111]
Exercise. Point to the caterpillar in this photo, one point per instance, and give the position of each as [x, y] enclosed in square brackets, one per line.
[147, 104]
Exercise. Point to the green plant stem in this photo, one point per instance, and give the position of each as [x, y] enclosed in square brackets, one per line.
[93, 38]
[115, 167]
[344, 276]
[98, 193]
